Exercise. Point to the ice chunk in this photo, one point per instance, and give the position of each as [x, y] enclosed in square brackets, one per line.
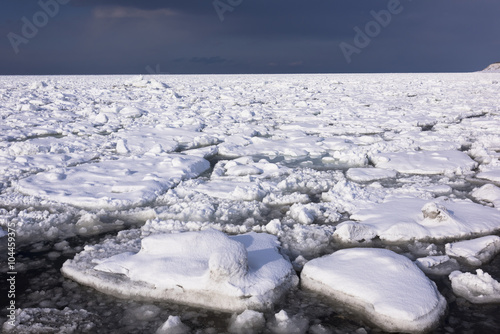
[204, 269]
[131, 112]
[370, 174]
[404, 219]
[308, 213]
[480, 288]
[284, 324]
[426, 162]
[396, 296]
[488, 193]
[437, 265]
[145, 312]
[114, 184]
[173, 325]
[248, 322]
[476, 251]
[492, 175]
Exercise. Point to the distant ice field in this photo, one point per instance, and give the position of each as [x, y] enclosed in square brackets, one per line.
[300, 167]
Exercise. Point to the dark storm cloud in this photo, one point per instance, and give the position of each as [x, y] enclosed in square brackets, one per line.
[250, 36]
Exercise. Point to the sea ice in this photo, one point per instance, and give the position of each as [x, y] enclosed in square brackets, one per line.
[222, 273]
[370, 174]
[476, 251]
[488, 193]
[426, 162]
[248, 322]
[480, 288]
[492, 175]
[47, 320]
[386, 288]
[284, 324]
[404, 219]
[114, 184]
[173, 325]
[437, 265]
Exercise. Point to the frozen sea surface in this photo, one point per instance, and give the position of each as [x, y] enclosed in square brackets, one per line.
[404, 162]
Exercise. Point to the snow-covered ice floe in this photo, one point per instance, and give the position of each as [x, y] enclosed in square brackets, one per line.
[488, 193]
[205, 269]
[426, 162]
[405, 219]
[321, 162]
[437, 265]
[387, 289]
[480, 288]
[114, 184]
[476, 251]
[370, 174]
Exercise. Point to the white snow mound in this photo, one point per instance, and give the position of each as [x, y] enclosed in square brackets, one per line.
[205, 269]
[385, 288]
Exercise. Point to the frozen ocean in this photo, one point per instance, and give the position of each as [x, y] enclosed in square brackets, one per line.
[306, 203]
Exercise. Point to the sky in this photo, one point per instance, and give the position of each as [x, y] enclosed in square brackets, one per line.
[247, 36]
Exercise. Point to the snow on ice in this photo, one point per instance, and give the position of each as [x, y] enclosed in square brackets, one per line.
[307, 164]
[220, 272]
[377, 283]
[476, 251]
[113, 184]
[480, 288]
[405, 219]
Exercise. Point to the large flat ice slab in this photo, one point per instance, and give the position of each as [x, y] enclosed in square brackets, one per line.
[488, 193]
[426, 162]
[114, 184]
[404, 219]
[204, 269]
[476, 251]
[386, 289]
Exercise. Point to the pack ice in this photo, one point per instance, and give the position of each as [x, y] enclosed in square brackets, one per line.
[386, 289]
[206, 269]
[405, 219]
[114, 184]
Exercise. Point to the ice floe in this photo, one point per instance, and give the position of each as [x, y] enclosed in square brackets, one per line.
[370, 174]
[404, 219]
[437, 265]
[476, 251]
[223, 273]
[378, 284]
[114, 184]
[488, 193]
[477, 288]
[426, 162]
